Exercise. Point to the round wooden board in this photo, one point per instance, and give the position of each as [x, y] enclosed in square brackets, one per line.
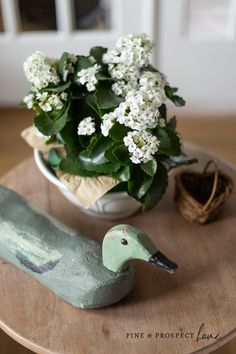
[162, 314]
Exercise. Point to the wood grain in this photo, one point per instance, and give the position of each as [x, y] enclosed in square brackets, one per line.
[203, 289]
[216, 133]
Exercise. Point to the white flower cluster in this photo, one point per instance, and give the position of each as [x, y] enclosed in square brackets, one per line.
[107, 122]
[121, 87]
[46, 101]
[86, 126]
[88, 77]
[142, 88]
[40, 70]
[142, 145]
[124, 63]
[131, 50]
[139, 112]
[29, 100]
[153, 79]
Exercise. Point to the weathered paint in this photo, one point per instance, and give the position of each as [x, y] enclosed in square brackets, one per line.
[32, 266]
[74, 267]
[60, 258]
[123, 243]
[27, 246]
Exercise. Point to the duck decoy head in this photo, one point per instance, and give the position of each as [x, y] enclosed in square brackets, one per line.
[124, 242]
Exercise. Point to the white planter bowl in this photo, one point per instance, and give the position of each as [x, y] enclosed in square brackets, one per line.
[112, 206]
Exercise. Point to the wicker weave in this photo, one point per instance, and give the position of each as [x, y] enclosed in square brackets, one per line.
[199, 196]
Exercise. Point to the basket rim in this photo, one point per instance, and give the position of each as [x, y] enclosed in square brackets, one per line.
[192, 200]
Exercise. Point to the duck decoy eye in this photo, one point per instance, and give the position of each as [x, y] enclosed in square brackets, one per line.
[124, 241]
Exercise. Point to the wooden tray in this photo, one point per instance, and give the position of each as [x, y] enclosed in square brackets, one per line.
[163, 313]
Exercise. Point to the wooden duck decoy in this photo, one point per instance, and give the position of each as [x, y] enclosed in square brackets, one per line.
[74, 267]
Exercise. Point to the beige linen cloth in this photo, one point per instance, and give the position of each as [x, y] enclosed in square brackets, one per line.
[87, 189]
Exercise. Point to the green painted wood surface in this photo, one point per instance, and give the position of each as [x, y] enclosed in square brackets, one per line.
[71, 265]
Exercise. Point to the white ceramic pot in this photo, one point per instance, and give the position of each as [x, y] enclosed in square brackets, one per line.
[112, 206]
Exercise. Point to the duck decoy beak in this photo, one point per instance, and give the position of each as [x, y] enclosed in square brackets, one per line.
[162, 261]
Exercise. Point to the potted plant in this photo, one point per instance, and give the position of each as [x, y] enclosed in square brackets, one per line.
[108, 112]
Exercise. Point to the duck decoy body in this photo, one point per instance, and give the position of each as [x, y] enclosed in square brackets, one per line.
[77, 269]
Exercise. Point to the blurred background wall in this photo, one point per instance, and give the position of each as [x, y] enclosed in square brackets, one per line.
[196, 42]
[196, 49]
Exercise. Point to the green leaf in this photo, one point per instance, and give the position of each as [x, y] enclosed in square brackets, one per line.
[61, 68]
[157, 189]
[170, 93]
[109, 152]
[94, 140]
[174, 89]
[164, 139]
[107, 168]
[49, 125]
[95, 155]
[174, 149]
[139, 183]
[178, 101]
[120, 187]
[118, 131]
[86, 107]
[83, 62]
[175, 161]
[72, 166]
[84, 141]
[53, 158]
[163, 111]
[149, 167]
[106, 99]
[171, 124]
[117, 152]
[122, 174]
[57, 89]
[89, 161]
[69, 136]
[103, 77]
[91, 100]
[97, 53]
[94, 158]
[121, 154]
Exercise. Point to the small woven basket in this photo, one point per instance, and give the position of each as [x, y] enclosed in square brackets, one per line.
[199, 196]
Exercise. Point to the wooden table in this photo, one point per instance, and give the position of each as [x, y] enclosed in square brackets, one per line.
[163, 313]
